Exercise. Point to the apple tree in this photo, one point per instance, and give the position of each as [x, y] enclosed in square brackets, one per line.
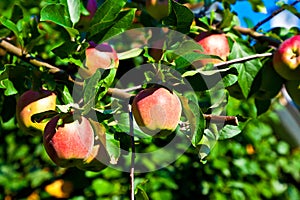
[147, 100]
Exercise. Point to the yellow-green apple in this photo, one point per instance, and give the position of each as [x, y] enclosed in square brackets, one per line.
[293, 89]
[158, 9]
[32, 102]
[286, 59]
[68, 142]
[212, 44]
[101, 56]
[157, 111]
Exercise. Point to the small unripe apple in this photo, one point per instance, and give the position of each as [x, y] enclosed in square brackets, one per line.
[286, 60]
[70, 143]
[32, 102]
[158, 9]
[100, 56]
[212, 44]
[157, 111]
[293, 89]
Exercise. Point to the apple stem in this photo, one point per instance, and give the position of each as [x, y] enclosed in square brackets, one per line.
[276, 12]
[132, 153]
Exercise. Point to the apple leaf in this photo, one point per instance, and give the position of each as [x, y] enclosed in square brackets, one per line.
[74, 10]
[229, 131]
[247, 70]
[43, 116]
[207, 142]
[57, 14]
[108, 12]
[258, 6]
[122, 23]
[132, 53]
[180, 17]
[12, 27]
[194, 117]
[140, 193]
[113, 148]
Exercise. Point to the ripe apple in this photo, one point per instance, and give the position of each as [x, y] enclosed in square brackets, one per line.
[212, 44]
[293, 89]
[286, 59]
[70, 143]
[99, 56]
[32, 102]
[157, 111]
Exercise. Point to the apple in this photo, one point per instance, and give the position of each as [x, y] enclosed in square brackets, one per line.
[158, 9]
[99, 56]
[99, 158]
[293, 89]
[212, 44]
[157, 111]
[286, 59]
[32, 102]
[69, 143]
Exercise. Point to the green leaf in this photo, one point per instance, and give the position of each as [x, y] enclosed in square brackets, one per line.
[113, 148]
[227, 19]
[8, 86]
[13, 27]
[258, 6]
[229, 131]
[108, 12]
[180, 17]
[132, 53]
[207, 142]
[247, 70]
[194, 117]
[122, 23]
[74, 10]
[56, 13]
[141, 194]
[66, 96]
[96, 87]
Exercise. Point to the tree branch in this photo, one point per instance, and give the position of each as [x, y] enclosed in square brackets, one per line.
[115, 92]
[258, 36]
[132, 153]
[276, 12]
[244, 59]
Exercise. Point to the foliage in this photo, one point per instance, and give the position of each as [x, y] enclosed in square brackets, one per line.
[244, 161]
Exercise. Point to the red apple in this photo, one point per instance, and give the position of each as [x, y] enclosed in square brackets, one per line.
[212, 44]
[293, 89]
[99, 56]
[157, 111]
[286, 60]
[33, 102]
[70, 143]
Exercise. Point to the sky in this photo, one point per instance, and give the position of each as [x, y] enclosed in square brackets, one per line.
[284, 19]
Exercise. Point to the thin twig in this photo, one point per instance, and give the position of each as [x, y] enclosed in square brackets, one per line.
[244, 59]
[276, 12]
[227, 120]
[32, 60]
[258, 36]
[132, 153]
